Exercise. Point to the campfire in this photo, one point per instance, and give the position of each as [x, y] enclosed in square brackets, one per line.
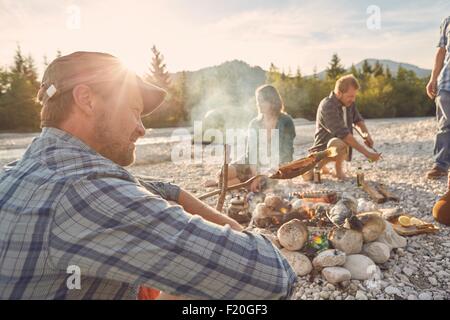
[323, 232]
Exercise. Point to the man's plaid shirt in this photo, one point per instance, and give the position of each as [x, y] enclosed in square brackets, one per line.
[444, 76]
[65, 205]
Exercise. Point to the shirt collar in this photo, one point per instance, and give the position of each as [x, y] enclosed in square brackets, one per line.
[65, 136]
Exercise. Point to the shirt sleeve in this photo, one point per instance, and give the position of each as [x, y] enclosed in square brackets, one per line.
[287, 140]
[443, 34]
[357, 117]
[118, 230]
[333, 121]
[165, 190]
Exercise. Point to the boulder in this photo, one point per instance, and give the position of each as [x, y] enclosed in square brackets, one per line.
[298, 261]
[329, 258]
[293, 235]
[377, 251]
[391, 238]
[346, 240]
[373, 225]
[360, 267]
[263, 215]
[336, 275]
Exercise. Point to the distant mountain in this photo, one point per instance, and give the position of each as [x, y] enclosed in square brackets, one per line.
[393, 66]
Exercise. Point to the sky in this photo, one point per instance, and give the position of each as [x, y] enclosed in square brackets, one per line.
[193, 34]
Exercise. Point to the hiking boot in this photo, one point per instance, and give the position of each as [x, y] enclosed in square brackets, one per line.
[436, 173]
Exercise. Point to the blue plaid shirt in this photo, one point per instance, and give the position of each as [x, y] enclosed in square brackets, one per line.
[65, 205]
[444, 76]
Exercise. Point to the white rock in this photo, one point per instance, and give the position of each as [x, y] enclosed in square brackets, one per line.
[346, 240]
[408, 271]
[433, 281]
[360, 295]
[336, 275]
[298, 261]
[393, 290]
[425, 296]
[377, 251]
[391, 238]
[293, 235]
[412, 297]
[360, 267]
[373, 227]
[366, 205]
[329, 258]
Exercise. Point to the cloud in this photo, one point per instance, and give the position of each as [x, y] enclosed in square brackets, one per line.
[293, 34]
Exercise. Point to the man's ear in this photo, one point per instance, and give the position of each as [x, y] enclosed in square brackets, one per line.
[83, 98]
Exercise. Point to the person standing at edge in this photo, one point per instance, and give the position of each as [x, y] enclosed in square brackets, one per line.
[69, 201]
[438, 88]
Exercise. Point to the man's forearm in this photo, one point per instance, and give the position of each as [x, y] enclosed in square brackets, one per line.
[438, 64]
[362, 126]
[194, 206]
[351, 141]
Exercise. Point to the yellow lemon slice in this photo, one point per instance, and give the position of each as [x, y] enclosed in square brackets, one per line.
[416, 222]
[405, 221]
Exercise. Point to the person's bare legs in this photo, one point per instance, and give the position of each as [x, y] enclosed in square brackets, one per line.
[339, 166]
[232, 178]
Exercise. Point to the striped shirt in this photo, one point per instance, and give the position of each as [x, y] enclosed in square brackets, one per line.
[444, 76]
[64, 206]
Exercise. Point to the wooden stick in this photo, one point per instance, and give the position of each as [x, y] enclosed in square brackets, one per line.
[233, 187]
[385, 192]
[374, 194]
[224, 179]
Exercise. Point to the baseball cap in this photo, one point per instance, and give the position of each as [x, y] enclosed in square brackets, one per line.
[83, 67]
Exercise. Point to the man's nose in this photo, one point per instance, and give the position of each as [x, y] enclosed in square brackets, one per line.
[141, 128]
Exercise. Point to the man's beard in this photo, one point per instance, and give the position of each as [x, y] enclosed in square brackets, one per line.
[122, 153]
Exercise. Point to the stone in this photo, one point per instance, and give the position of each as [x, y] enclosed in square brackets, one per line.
[365, 205]
[425, 296]
[324, 295]
[377, 251]
[408, 271]
[391, 214]
[336, 275]
[360, 267]
[393, 290]
[360, 295]
[262, 215]
[373, 225]
[293, 235]
[329, 258]
[346, 240]
[412, 297]
[298, 261]
[391, 238]
[433, 281]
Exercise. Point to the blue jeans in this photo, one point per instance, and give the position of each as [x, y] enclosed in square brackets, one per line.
[442, 141]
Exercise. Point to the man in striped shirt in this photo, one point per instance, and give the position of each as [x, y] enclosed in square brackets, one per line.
[438, 88]
[75, 224]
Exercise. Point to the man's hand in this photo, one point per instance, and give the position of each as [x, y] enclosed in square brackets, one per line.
[432, 88]
[373, 156]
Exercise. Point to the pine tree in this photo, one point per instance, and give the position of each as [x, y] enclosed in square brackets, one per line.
[355, 71]
[378, 69]
[335, 69]
[273, 75]
[388, 73]
[366, 68]
[158, 73]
